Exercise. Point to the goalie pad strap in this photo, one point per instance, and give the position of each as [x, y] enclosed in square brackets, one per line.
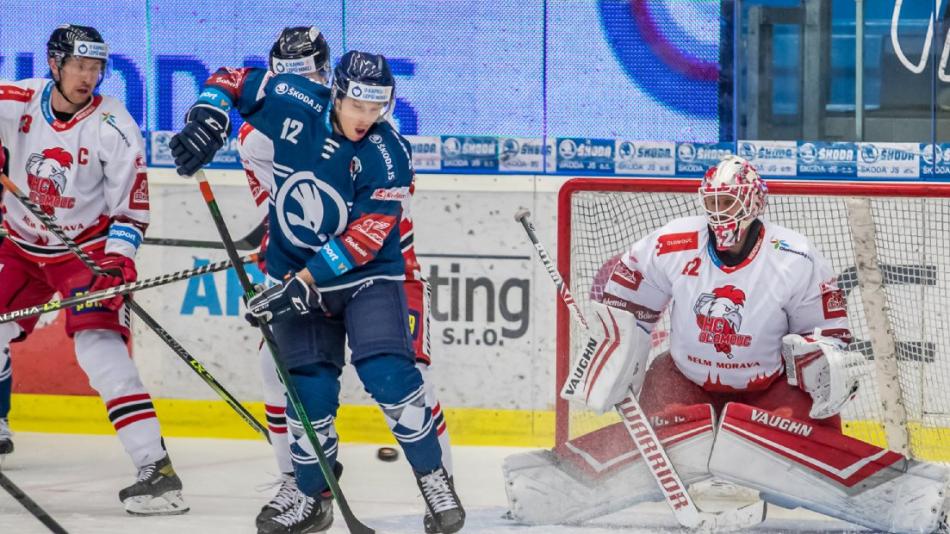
[795, 463]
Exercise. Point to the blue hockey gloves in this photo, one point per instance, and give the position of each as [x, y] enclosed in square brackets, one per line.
[206, 130]
[289, 299]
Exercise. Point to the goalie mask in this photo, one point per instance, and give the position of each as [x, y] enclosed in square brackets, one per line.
[733, 195]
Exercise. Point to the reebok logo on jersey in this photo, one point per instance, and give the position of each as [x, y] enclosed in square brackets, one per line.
[679, 242]
[719, 316]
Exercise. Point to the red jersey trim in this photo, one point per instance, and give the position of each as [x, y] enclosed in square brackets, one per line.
[61, 126]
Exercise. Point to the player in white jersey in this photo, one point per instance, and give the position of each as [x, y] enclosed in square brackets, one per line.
[758, 339]
[80, 156]
[291, 53]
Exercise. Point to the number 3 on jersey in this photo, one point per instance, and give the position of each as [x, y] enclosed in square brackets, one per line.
[692, 267]
[291, 130]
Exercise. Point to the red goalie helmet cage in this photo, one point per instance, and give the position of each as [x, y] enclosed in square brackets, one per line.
[889, 244]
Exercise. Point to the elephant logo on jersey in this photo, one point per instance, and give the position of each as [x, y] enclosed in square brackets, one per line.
[46, 176]
[309, 210]
[719, 316]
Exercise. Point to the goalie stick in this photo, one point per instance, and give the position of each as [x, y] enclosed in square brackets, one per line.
[643, 434]
[251, 241]
[163, 334]
[30, 505]
[84, 298]
[352, 522]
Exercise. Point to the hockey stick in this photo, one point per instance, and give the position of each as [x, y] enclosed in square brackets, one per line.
[73, 247]
[643, 434]
[251, 241]
[352, 523]
[85, 298]
[30, 505]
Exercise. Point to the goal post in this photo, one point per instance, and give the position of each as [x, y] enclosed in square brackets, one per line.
[888, 243]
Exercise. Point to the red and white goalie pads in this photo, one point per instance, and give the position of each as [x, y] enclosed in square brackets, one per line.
[614, 360]
[793, 463]
[602, 472]
[818, 366]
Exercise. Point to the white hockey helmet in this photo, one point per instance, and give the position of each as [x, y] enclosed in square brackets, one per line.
[733, 195]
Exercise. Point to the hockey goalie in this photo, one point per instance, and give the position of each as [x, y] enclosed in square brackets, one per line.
[750, 390]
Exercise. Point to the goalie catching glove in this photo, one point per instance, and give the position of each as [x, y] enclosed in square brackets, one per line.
[291, 298]
[614, 360]
[820, 367]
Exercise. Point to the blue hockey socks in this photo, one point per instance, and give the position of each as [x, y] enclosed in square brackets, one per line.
[318, 387]
[396, 385]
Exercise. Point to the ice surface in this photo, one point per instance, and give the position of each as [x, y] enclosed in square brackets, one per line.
[76, 478]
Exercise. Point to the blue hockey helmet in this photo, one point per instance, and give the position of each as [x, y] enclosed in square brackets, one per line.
[364, 76]
[301, 50]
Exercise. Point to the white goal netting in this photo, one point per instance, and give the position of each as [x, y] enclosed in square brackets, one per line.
[911, 237]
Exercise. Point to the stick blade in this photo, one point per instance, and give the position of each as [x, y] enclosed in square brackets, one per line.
[521, 214]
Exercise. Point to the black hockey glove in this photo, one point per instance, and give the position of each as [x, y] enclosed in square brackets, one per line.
[292, 298]
[206, 130]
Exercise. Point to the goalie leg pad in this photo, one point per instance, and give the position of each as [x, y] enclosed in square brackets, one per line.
[795, 463]
[602, 472]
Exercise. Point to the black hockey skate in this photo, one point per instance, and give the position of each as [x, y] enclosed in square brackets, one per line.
[306, 515]
[428, 521]
[157, 491]
[6, 439]
[287, 494]
[442, 502]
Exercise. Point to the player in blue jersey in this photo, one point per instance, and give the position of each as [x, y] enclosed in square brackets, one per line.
[351, 284]
[357, 271]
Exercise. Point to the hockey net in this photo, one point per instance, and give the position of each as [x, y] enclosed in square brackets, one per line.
[889, 244]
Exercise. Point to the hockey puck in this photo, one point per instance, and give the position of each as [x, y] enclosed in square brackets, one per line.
[387, 454]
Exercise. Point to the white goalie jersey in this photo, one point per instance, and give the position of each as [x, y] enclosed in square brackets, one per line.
[89, 172]
[727, 323]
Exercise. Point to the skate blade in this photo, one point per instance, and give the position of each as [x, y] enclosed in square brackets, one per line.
[169, 503]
